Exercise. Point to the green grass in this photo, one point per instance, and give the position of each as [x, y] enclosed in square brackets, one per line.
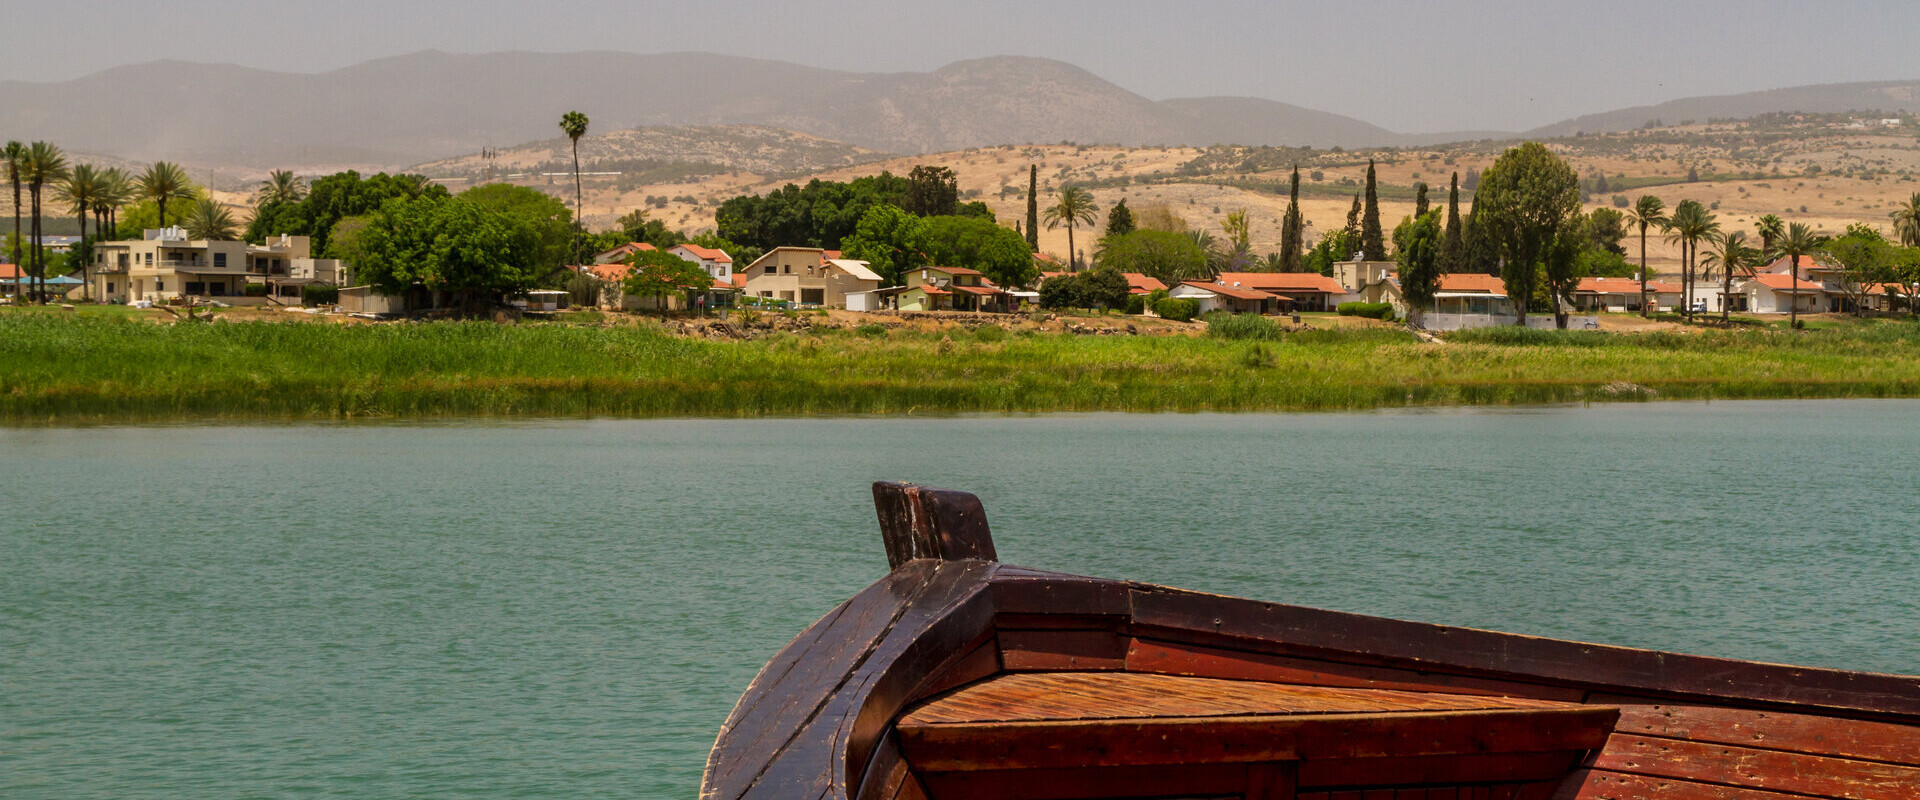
[75, 368]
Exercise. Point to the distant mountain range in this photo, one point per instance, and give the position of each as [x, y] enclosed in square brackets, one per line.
[415, 108]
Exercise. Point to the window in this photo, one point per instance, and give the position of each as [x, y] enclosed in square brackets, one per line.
[773, 269]
[196, 287]
[149, 259]
[109, 287]
[219, 259]
[160, 285]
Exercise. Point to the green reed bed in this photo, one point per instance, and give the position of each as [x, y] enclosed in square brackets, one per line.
[58, 369]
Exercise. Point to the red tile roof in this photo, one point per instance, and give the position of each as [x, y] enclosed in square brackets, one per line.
[9, 271]
[739, 280]
[957, 270]
[722, 286]
[1230, 291]
[610, 272]
[1142, 284]
[707, 253]
[930, 289]
[1621, 286]
[1292, 282]
[1783, 282]
[1471, 282]
[985, 290]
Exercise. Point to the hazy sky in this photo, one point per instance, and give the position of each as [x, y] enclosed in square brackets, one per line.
[1409, 66]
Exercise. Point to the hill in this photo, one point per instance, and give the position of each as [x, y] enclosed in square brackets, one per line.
[408, 109]
[1832, 98]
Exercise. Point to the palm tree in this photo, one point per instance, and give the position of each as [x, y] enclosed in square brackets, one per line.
[1690, 225]
[281, 186]
[1075, 205]
[45, 165]
[1733, 254]
[1799, 240]
[574, 124]
[1769, 227]
[207, 219]
[162, 182]
[1906, 222]
[79, 192]
[116, 190]
[15, 156]
[1647, 212]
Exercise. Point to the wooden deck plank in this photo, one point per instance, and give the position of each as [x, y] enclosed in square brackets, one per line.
[1101, 695]
[1793, 773]
[1776, 730]
[1443, 770]
[1385, 642]
[1594, 784]
[1308, 738]
[1179, 658]
[1085, 784]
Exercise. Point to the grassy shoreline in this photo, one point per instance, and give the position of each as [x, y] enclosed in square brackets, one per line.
[58, 369]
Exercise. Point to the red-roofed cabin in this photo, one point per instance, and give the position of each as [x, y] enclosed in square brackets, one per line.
[1232, 299]
[1308, 291]
[1623, 294]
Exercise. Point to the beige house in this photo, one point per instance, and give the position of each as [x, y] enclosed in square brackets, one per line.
[808, 276]
[166, 264]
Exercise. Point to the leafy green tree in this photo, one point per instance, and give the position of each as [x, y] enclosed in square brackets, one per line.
[1906, 222]
[1074, 206]
[1168, 257]
[1559, 268]
[574, 125]
[1105, 288]
[1418, 258]
[1797, 242]
[1292, 228]
[821, 214]
[1647, 212]
[932, 191]
[15, 156]
[890, 240]
[1119, 219]
[1866, 260]
[1525, 198]
[999, 253]
[1064, 291]
[1334, 247]
[208, 219]
[1371, 243]
[1033, 207]
[1420, 199]
[1353, 231]
[333, 198]
[164, 182]
[1453, 245]
[1605, 228]
[659, 275]
[545, 214]
[446, 244]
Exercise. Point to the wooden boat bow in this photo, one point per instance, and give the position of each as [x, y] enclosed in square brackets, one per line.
[957, 676]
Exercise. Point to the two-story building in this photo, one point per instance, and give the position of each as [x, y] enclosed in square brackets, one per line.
[165, 264]
[808, 276]
[949, 289]
[715, 261]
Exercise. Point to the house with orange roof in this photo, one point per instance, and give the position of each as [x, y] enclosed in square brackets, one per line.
[1623, 294]
[1307, 291]
[1218, 296]
[715, 261]
[948, 289]
[1781, 293]
[619, 255]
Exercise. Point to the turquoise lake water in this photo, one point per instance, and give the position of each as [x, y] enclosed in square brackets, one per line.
[570, 608]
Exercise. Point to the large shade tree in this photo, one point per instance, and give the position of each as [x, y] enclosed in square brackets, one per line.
[1523, 201]
[446, 245]
[1074, 207]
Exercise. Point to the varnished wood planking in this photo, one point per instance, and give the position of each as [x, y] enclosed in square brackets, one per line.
[1179, 658]
[1102, 695]
[1604, 785]
[1794, 773]
[1776, 730]
[1310, 738]
[1084, 784]
[1051, 650]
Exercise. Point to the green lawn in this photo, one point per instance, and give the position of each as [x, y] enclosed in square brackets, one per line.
[78, 367]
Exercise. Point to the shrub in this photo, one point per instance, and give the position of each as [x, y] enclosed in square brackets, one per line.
[320, 295]
[1368, 310]
[1177, 309]
[1136, 304]
[1221, 325]
[256, 290]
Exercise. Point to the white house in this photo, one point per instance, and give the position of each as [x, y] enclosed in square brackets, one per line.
[716, 262]
[1234, 299]
[1775, 293]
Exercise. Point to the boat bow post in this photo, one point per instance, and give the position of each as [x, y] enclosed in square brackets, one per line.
[920, 522]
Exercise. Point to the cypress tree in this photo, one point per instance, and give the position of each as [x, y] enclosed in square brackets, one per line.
[1453, 246]
[1350, 238]
[1292, 227]
[1033, 207]
[1419, 199]
[1372, 243]
[1119, 219]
